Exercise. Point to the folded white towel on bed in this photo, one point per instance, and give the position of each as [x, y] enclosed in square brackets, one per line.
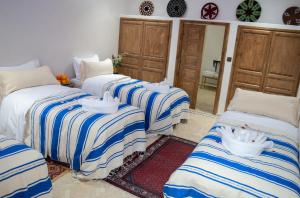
[107, 105]
[244, 142]
[162, 87]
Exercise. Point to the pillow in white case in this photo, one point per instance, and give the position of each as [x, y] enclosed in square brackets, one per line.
[77, 61]
[29, 65]
[91, 69]
[285, 108]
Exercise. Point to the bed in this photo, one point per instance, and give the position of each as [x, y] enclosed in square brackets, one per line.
[50, 119]
[23, 171]
[162, 111]
[213, 171]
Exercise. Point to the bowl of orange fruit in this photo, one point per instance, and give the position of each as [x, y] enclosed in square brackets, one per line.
[63, 79]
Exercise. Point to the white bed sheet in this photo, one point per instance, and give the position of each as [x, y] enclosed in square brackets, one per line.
[14, 107]
[275, 126]
[97, 85]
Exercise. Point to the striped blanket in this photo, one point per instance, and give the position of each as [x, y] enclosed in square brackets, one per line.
[93, 144]
[212, 171]
[23, 171]
[162, 111]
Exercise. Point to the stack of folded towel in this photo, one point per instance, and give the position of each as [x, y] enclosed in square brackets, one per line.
[107, 105]
[162, 87]
[244, 142]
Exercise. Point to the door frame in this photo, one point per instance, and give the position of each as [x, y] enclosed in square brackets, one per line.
[223, 57]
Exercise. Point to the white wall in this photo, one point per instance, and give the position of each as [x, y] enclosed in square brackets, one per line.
[56, 30]
[272, 10]
[212, 49]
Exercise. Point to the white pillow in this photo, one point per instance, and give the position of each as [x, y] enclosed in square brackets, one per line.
[77, 61]
[91, 69]
[279, 107]
[29, 65]
[11, 81]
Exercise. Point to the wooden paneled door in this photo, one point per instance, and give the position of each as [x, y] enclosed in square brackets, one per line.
[266, 60]
[144, 45]
[189, 62]
[155, 51]
[283, 70]
[130, 46]
[252, 50]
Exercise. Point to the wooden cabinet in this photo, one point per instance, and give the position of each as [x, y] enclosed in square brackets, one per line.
[144, 45]
[266, 60]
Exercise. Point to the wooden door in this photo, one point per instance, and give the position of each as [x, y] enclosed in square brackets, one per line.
[144, 45]
[130, 46]
[189, 68]
[155, 50]
[251, 57]
[282, 75]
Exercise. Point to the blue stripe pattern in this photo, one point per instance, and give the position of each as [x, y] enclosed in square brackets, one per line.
[43, 118]
[158, 108]
[82, 138]
[11, 150]
[119, 87]
[271, 168]
[84, 130]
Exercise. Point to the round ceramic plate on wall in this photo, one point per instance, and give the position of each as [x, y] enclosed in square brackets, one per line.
[209, 11]
[176, 8]
[248, 11]
[146, 8]
[291, 16]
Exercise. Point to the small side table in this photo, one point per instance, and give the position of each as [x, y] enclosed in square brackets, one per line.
[209, 75]
[71, 85]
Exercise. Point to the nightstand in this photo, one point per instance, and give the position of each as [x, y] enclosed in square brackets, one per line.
[71, 85]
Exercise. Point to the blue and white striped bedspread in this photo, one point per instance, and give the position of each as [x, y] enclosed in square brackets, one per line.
[212, 171]
[162, 111]
[23, 171]
[93, 144]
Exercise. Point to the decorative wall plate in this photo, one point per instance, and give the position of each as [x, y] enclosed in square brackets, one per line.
[146, 8]
[291, 16]
[176, 8]
[249, 11]
[209, 11]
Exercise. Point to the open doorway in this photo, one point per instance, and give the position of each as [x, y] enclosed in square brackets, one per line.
[210, 67]
[200, 62]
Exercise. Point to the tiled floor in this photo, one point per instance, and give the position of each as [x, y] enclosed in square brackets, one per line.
[67, 187]
[206, 99]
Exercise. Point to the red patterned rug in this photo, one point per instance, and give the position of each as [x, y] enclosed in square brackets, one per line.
[144, 176]
[56, 169]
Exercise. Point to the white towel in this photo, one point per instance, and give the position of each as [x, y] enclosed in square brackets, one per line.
[107, 105]
[162, 87]
[164, 82]
[243, 142]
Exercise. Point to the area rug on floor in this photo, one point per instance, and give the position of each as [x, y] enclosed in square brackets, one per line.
[56, 169]
[144, 176]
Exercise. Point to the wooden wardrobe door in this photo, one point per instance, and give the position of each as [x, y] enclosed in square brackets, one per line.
[155, 50]
[251, 56]
[191, 59]
[282, 75]
[130, 46]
